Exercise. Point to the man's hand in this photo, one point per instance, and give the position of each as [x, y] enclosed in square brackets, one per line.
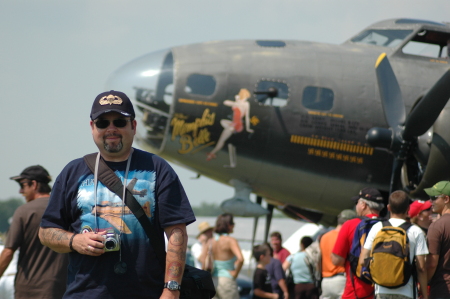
[59, 240]
[89, 243]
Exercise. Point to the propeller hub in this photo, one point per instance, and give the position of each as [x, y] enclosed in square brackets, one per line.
[380, 137]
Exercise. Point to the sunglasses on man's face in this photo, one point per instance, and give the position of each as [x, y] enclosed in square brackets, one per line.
[118, 123]
[24, 184]
[437, 196]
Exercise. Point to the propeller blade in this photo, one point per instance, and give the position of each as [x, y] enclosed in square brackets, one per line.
[395, 176]
[391, 96]
[425, 113]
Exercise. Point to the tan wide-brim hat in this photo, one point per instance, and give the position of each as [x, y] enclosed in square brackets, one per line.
[203, 227]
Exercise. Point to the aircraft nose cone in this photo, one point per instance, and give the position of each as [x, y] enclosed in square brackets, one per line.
[148, 82]
[142, 72]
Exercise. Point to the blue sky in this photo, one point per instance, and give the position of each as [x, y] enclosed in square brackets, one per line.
[57, 55]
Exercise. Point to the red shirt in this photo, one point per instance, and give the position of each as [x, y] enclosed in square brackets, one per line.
[342, 248]
[282, 254]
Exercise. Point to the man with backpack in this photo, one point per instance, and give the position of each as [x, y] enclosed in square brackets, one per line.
[385, 246]
[369, 203]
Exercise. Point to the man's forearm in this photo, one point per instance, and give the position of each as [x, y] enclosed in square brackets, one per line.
[5, 258]
[283, 286]
[431, 265]
[55, 238]
[365, 253]
[176, 253]
[422, 275]
[175, 257]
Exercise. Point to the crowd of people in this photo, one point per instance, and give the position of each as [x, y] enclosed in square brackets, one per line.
[426, 273]
[425, 268]
[84, 238]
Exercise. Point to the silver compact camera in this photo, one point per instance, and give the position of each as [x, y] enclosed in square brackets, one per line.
[112, 241]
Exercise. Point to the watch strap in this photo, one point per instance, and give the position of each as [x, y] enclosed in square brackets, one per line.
[177, 288]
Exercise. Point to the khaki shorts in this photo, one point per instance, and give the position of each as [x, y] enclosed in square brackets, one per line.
[226, 288]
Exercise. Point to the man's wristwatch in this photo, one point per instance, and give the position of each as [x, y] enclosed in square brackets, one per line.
[172, 285]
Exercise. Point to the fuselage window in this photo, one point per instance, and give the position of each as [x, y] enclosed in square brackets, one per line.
[272, 93]
[204, 85]
[429, 44]
[317, 98]
[384, 38]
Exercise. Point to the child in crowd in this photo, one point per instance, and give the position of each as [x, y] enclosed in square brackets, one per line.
[261, 280]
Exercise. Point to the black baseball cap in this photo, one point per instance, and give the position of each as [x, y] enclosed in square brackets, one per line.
[112, 101]
[34, 173]
[369, 193]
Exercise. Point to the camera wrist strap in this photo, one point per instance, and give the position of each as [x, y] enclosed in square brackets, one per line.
[111, 181]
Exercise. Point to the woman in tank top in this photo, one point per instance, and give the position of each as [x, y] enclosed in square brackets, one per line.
[228, 259]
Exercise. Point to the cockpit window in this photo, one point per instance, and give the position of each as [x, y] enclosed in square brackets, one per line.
[158, 92]
[318, 98]
[204, 85]
[272, 92]
[429, 44]
[383, 38]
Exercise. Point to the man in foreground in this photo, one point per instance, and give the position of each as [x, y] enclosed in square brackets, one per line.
[83, 212]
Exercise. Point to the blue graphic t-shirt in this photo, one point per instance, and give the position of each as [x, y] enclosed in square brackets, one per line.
[156, 187]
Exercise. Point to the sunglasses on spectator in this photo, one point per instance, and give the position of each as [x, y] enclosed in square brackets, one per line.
[436, 197]
[23, 184]
[118, 123]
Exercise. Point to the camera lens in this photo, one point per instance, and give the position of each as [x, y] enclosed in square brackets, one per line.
[110, 244]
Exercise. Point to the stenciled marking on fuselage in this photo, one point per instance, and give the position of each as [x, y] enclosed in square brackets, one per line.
[326, 114]
[197, 102]
[192, 134]
[439, 61]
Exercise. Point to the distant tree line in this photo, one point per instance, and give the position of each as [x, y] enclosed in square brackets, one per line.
[207, 209]
[7, 209]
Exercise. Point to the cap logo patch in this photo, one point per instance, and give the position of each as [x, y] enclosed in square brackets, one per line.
[110, 99]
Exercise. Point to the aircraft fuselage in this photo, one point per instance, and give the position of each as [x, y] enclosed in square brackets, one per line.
[304, 146]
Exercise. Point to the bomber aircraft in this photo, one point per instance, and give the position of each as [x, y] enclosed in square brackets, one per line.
[303, 125]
